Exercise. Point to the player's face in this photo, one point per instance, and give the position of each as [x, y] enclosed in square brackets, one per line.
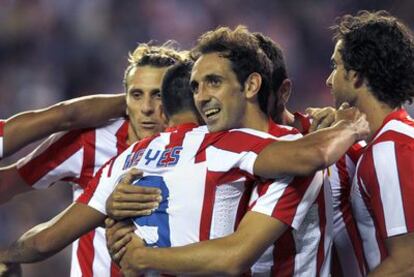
[217, 92]
[339, 82]
[144, 100]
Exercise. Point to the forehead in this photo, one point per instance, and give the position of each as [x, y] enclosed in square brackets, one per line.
[336, 56]
[145, 77]
[212, 63]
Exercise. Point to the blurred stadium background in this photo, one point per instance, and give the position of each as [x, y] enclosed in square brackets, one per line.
[54, 50]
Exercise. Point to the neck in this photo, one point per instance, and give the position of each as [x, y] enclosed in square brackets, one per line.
[132, 136]
[255, 119]
[182, 118]
[375, 111]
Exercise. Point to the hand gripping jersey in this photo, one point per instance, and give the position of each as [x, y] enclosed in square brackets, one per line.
[74, 157]
[205, 180]
[348, 255]
[383, 186]
[1, 137]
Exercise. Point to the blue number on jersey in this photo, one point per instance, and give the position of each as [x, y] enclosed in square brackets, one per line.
[159, 218]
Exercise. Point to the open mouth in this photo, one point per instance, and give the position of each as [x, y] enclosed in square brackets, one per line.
[148, 125]
[211, 112]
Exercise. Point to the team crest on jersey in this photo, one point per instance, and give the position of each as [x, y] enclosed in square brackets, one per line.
[168, 157]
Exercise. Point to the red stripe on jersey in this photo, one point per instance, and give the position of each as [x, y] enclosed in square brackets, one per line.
[244, 202]
[122, 137]
[2, 123]
[304, 121]
[91, 187]
[285, 208]
[355, 152]
[115, 270]
[405, 165]
[261, 190]
[66, 146]
[238, 142]
[280, 130]
[86, 254]
[346, 211]
[88, 165]
[322, 227]
[366, 170]
[284, 253]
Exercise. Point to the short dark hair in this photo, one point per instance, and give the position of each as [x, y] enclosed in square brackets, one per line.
[380, 48]
[242, 49]
[147, 54]
[274, 52]
[176, 93]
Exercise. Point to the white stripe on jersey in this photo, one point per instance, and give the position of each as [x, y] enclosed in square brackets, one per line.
[101, 260]
[103, 154]
[389, 185]
[396, 126]
[308, 199]
[265, 204]
[1, 147]
[229, 160]
[71, 167]
[365, 227]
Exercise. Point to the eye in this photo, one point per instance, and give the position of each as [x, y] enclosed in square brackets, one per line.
[194, 87]
[156, 94]
[214, 82]
[136, 94]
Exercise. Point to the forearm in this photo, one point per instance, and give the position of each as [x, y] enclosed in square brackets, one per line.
[205, 258]
[393, 267]
[306, 155]
[27, 249]
[91, 110]
[87, 111]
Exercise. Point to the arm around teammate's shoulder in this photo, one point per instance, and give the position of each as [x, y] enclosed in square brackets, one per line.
[315, 151]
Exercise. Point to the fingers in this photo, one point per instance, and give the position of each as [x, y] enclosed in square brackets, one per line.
[321, 117]
[128, 189]
[131, 175]
[344, 106]
[118, 234]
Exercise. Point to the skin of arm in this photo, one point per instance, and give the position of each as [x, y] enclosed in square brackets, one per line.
[230, 255]
[46, 239]
[313, 152]
[81, 112]
[400, 259]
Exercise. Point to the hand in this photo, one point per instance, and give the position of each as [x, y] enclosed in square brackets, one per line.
[118, 234]
[321, 117]
[10, 270]
[358, 120]
[130, 262]
[131, 201]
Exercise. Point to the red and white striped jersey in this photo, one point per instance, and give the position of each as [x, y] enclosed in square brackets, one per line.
[206, 183]
[383, 186]
[2, 122]
[347, 240]
[75, 157]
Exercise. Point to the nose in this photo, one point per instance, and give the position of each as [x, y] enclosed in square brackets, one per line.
[329, 81]
[202, 94]
[147, 107]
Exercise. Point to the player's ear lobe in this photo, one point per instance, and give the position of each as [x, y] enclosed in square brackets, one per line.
[252, 84]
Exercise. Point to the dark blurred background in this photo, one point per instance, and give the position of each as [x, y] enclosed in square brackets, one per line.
[54, 50]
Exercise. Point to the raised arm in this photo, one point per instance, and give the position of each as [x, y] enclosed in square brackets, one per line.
[81, 112]
[315, 151]
[46, 239]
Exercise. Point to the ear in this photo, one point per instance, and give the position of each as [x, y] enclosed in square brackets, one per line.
[357, 79]
[252, 85]
[284, 91]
